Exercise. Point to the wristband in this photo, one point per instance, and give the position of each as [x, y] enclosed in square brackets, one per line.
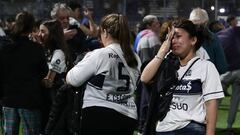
[160, 58]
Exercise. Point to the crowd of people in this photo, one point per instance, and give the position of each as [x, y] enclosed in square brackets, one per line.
[57, 71]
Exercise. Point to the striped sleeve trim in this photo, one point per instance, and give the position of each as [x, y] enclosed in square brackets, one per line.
[212, 93]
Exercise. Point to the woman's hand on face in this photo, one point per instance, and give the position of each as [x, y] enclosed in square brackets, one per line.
[165, 47]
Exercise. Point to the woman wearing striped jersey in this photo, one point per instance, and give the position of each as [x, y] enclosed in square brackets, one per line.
[193, 110]
[111, 73]
[52, 37]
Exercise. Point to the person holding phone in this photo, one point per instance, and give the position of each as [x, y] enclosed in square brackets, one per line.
[193, 110]
[75, 36]
[76, 18]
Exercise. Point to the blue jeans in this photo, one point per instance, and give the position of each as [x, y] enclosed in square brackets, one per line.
[192, 128]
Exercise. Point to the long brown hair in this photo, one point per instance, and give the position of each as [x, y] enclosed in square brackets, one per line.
[117, 26]
[56, 40]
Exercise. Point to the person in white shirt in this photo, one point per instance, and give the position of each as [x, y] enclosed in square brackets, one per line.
[110, 73]
[193, 110]
[52, 37]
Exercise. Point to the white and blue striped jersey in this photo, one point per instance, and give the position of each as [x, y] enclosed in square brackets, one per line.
[108, 82]
[200, 84]
[57, 62]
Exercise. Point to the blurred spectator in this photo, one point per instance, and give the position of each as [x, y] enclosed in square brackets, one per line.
[232, 21]
[75, 19]
[147, 45]
[34, 35]
[9, 25]
[76, 39]
[211, 42]
[76, 10]
[230, 40]
[216, 26]
[88, 27]
[22, 67]
[149, 42]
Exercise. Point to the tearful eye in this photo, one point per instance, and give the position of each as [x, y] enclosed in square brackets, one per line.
[178, 36]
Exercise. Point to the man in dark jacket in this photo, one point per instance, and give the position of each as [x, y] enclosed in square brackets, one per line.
[231, 44]
[22, 67]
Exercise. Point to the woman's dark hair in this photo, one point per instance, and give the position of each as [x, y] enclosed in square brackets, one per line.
[116, 25]
[188, 26]
[24, 23]
[37, 25]
[56, 40]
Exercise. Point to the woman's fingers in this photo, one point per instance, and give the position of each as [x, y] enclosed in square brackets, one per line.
[170, 33]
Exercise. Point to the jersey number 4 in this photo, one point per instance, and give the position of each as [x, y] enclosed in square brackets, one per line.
[121, 76]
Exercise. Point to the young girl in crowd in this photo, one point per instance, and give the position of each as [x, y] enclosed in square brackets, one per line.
[51, 34]
[193, 110]
[111, 74]
[52, 38]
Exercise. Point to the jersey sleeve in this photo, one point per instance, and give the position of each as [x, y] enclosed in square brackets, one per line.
[212, 88]
[83, 70]
[58, 63]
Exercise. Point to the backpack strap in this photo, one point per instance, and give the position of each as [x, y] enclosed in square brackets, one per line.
[189, 68]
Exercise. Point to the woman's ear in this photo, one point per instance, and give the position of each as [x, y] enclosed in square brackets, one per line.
[105, 33]
[194, 40]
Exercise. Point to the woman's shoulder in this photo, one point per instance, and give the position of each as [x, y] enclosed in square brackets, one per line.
[100, 53]
[103, 51]
[58, 52]
[206, 63]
